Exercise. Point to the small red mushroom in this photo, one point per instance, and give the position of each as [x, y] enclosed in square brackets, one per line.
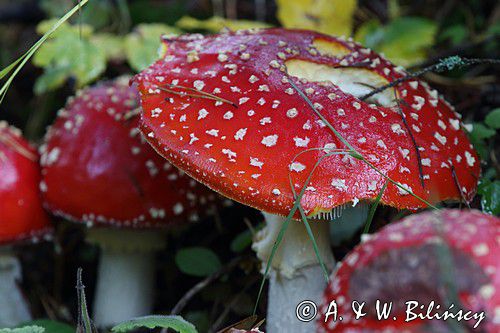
[98, 170]
[411, 262]
[22, 218]
[223, 109]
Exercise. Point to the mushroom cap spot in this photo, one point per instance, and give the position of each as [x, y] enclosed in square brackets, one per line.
[22, 216]
[101, 170]
[367, 125]
[399, 263]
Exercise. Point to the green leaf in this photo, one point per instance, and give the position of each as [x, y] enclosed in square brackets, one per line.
[216, 24]
[370, 33]
[24, 329]
[112, 45]
[51, 79]
[197, 261]
[83, 30]
[176, 323]
[70, 53]
[455, 33]
[21, 61]
[51, 326]
[333, 17]
[200, 319]
[493, 119]
[241, 241]
[404, 40]
[481, 132]
[143, 44]
[490, 199]
[407, 39]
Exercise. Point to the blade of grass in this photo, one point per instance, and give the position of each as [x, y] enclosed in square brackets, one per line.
[84, 322]
[373, 208]
[7, 69]
[301, 210]
[448, 275]
[283, 228]
[17, 65]
[315, 245]
[354, 152]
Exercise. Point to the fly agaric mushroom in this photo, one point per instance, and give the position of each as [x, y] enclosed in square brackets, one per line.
[98, 170]
[223, 109]
[22, 218]
[410, 261]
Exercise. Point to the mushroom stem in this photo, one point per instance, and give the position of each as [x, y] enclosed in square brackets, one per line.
[13, 307]
[126, 274]
[296, 274]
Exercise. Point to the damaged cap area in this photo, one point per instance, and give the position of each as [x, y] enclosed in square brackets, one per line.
[413, 260]
[97, 168]
[223, 109]
[22, 217]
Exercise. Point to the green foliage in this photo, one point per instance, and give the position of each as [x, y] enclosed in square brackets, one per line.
[216, 24]
[143, 44]
[70, 53]
[482, 132]
[24, 329]
[241, 241]
[51, 326]
[455, 34]
[199, 319]
[404, 40]
[482, 137]
[197, 261]
[327, 16]
[176, 323]
[76, 51]
[16, 66]
[98, 14]
[493, 119]
[111, 44]
[490, 197]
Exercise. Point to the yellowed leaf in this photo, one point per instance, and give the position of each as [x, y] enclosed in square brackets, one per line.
[216, 24]
[334, 17]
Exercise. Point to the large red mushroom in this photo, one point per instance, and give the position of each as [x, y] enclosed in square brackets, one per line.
[22, 218]
[223, 109]
[98, 170]
[446, 257]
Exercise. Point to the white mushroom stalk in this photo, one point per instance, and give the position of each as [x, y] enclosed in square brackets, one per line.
[13, 307]
[296, 275]
[126, 272]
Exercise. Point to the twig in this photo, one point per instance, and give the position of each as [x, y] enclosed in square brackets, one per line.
[203, 284]
[457, 184]
[446, 64]
[218, 322]
[17, 147]
[197, 93]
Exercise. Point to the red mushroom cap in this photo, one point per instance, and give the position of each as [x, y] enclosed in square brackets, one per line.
[401, 263]
[97, 168]
[245, 143]
[21, 213]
